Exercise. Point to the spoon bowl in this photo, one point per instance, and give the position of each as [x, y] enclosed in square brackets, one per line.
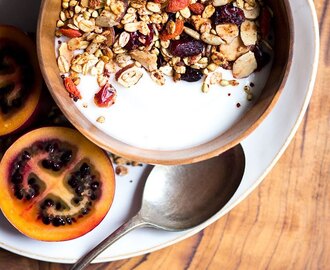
[181, 197]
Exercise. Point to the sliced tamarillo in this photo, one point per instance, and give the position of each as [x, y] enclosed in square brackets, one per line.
[55, 185]
[20, 80]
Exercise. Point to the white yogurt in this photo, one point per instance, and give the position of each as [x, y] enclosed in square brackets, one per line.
[170, 117]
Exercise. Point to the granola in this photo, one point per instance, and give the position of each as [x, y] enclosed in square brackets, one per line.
[183, 39]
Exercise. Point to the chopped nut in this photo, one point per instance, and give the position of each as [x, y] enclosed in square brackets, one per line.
[212, 67]
[167, 70]
[208, 11]
[205, 87]
[130, 76]
[100, 119]
[147, 60]
[157, 76]
[224, 83]
[215, 78]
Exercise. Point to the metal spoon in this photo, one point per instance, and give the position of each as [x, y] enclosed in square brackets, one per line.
[181, 197]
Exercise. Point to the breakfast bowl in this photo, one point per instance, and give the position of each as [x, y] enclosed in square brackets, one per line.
[173, 122]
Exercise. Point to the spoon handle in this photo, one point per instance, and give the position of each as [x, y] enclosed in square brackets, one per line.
[129, 225]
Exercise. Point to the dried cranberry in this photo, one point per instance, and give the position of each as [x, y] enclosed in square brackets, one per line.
[133, 42]
[261, 56]
[191, 75]
[137, 39]
[228, 14]
[186, 47]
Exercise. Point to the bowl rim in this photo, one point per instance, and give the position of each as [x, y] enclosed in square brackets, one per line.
[142, 155]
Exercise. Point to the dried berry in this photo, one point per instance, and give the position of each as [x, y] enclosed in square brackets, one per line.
[137, 39]
[228, 14]
[71, 33]
[71, 88]
[106, 96]
[176, 5]
[191, 75]
[179, 24]
[186, 47]
[196, 8]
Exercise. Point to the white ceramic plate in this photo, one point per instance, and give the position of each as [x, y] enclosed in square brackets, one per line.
[262, 148]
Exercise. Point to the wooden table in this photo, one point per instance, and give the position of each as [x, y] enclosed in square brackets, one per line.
[283, 224]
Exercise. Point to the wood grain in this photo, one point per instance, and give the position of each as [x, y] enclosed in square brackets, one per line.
[283, 224]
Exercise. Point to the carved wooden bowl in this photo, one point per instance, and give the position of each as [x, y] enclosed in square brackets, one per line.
[283, 31]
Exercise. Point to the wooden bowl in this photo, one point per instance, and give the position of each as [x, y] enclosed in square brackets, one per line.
[283, 28]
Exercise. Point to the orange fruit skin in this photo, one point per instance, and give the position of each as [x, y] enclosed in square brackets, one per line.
[25, 114]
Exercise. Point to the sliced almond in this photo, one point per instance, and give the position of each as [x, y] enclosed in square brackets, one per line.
[244, 65]
[233, 50]
[194, 34]
[249, 33]
[212, 39]
[147, 60]
[218, 3]
[227, 31]
[208, 11]
[252, 14]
